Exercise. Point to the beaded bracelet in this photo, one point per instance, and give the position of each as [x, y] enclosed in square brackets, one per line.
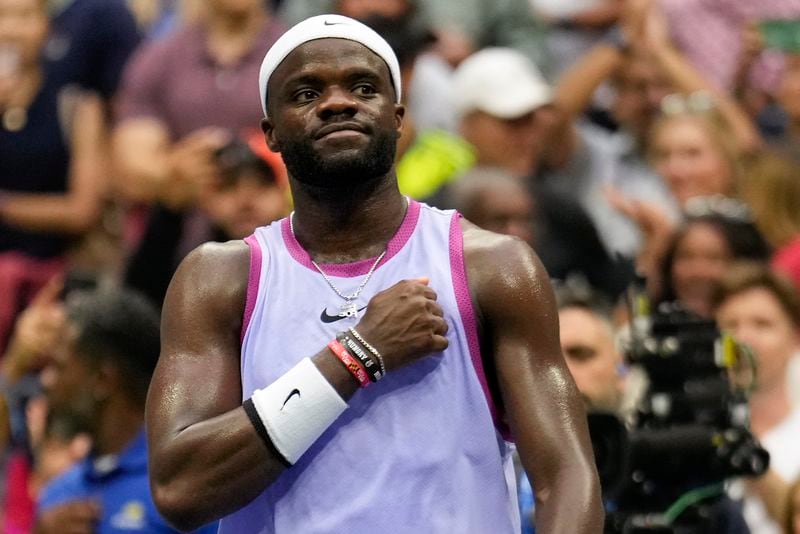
[359, 352]
[350, 363]
[370, 348]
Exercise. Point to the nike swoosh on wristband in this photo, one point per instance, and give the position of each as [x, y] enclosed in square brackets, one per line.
[326, 318]
[292, 394]
[328, 23]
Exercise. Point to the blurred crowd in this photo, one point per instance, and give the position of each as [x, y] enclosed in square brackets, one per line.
[623, 139]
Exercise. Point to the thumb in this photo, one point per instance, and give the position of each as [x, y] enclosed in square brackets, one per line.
[423, 280]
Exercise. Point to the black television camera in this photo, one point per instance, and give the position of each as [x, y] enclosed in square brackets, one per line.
[664, 471]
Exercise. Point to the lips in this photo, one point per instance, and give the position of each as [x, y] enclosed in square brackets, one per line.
[339, 127]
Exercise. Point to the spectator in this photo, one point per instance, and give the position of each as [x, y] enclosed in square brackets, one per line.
[692, 149]
[494, 200]
[589, 346]
[762, 310]
[246, 196]
[709, 32]
[643, 67]
[180, 103]
[52, 146]
[501, 101]
[90, 42]
[574, 26]
[561, 233]
[100, 375]
[701, 252]
[464, 26]
[772, 190]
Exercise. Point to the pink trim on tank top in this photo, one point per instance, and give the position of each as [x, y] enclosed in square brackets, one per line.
[458, 271]
[361, 267]
[253, 281]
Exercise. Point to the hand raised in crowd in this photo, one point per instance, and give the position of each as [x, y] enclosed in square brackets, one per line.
[653, 222]
[655, 32]
[37, 332]
[404, 323]
[75, 517]
[192, 167]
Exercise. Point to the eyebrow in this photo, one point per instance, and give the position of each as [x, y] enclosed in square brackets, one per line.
[580, 352]
[352, 74]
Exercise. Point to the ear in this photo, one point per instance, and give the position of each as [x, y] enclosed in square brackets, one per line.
[399, 114]
[268, 127]
[107, 381]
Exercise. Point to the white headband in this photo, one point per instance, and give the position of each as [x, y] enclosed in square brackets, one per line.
[323, 27]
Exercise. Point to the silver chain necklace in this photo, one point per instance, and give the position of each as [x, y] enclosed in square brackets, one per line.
[348, 309]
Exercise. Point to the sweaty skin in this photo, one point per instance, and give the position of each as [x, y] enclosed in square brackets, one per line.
[207, 460]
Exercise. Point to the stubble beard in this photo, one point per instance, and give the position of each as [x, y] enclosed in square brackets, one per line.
[344, 172]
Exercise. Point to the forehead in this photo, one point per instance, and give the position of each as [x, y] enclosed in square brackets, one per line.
[580, 323]
[327, 58]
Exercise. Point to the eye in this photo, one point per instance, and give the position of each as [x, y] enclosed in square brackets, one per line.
[365, 89]
[304, 95]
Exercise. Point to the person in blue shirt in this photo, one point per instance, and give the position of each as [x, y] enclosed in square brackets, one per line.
[100, 375]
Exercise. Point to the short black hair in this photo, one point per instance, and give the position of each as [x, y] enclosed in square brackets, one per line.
[119, 326]
[408, 35]
[237, 158]
[741, 235]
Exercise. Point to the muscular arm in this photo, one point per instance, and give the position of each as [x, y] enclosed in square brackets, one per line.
[542, 402]
[206, 459]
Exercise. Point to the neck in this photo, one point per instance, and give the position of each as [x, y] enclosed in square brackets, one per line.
[342, 228]
[118, 424]
[768, 407]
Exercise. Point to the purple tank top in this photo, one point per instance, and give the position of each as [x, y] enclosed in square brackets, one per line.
[418, 452]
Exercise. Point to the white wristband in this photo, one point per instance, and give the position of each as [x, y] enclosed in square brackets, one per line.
[297, 408]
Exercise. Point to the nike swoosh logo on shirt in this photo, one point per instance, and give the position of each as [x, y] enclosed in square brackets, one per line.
[326, 318]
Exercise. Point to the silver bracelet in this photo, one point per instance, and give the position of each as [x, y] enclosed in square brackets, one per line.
[370, 348]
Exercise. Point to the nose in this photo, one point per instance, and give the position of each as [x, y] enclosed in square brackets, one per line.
[336, 101]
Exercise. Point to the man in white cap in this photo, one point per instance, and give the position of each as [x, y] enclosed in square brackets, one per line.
[503, 112]
[501, 99]
[361, 365]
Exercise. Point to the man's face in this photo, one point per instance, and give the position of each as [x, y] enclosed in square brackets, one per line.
[755, 317]
[332, 114]
[592, 358]
[640, 89]
[510, 144]
[69, 380]
[505, 210]
[242, 206]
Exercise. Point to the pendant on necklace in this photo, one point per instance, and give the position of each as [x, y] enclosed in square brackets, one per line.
[348, 309]
[15, 119]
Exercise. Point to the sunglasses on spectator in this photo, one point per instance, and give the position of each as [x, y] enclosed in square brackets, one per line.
[718, 206]
[681, 104]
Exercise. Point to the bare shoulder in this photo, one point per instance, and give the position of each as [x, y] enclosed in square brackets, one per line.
[213, 277]
[500, 266]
